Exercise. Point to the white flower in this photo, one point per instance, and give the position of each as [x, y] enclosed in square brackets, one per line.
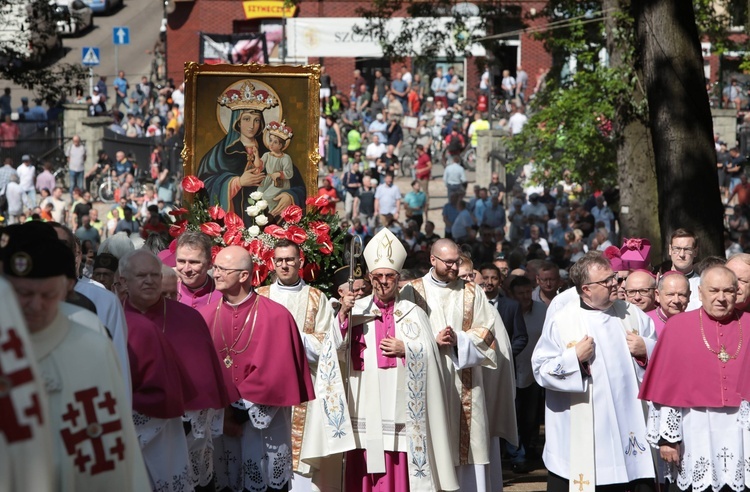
[262, 204]
[261, 220]
[256, 195]
[252, 210]
[253, 230]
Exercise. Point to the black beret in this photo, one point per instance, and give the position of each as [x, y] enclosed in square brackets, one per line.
[341, 276]
[32, 250]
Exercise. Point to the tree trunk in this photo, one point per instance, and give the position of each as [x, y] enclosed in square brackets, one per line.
[636, 173]
[670, 58]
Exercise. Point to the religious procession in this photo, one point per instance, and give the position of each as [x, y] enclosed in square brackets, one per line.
[274, 343]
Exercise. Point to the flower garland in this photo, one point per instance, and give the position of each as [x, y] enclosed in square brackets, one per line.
[318, 235]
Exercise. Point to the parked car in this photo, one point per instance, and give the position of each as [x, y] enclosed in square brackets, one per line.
[28, 31]
[73, 16]
[103, 6]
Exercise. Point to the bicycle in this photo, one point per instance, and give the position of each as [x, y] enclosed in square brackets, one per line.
[62, 177]
[103, 187]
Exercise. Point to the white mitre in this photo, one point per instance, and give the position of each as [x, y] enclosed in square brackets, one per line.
[385, 251]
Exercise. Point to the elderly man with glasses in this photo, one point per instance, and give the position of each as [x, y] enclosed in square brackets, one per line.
[590, 359]
[463, 323]
[640, 289]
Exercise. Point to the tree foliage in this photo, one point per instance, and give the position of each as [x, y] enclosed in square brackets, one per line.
[25, 22]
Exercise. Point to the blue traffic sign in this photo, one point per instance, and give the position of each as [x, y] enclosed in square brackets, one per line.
[90, 56]
[121, 35]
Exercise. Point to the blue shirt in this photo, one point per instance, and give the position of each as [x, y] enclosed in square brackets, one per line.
[400, 86]
[416, 200]
[121, 85]
[387, 197]
[123, 167]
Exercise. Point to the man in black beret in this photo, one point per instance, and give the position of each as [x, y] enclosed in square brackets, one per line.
[105, 268]
[89, 407]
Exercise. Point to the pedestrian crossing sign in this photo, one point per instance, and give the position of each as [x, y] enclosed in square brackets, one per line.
[90, 56]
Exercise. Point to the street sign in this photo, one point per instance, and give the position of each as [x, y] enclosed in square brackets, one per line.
[90, 56]
[121, 35]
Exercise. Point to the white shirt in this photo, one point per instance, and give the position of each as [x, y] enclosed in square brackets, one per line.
[373, 152]
[454, 174]
[76, 157]
[26, 176]
[16, 198]
[517, 122]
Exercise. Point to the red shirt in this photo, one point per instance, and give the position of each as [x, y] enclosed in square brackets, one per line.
[743, 193]
[332, 197]
[422, 167]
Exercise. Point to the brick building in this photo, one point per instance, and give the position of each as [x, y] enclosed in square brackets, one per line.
[321, 32]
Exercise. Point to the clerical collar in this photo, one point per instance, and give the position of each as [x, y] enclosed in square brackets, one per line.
[204, 289]
[690, 275]
[435, 281]
[591, 308]
[234, 305]
[661, 314]
[295, 287]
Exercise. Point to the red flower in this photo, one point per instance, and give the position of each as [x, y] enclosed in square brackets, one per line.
[326, 245]
[260, 273]
[211, 229]
[296, 234]
[275, 231]
[233, 221]
[317, 201]
[191, 184]
[216, 212]
[292, 214]
[233, 237]
[254, 247]
[310, 272]
[215, 251]
[179, 211]
[177, 229]
[320, 228]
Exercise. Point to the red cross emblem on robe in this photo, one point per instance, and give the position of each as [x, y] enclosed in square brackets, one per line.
[87, 424]
[20, 411]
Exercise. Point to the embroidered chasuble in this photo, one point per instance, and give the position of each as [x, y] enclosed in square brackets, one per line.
[26, 461]
[466, 310]
[95, 441]
[704, 411]
[608, 390]
[264, 363]
[397, 405]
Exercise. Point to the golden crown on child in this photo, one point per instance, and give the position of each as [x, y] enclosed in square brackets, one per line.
[281, 130]
[246, 97]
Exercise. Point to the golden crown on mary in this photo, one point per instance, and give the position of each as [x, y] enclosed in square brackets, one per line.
[247, 97]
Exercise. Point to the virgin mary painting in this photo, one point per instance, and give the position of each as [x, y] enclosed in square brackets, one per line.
[229, 169]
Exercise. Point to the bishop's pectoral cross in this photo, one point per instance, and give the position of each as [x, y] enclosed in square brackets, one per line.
[581, 482]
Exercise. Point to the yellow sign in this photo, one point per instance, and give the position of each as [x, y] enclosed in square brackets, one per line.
[257, 9]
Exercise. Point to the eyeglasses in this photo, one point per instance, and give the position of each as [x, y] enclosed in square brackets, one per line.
[468, 276]
[450, 263]
[281, 261]
[686, 251]
[642, 292]
[384, 277]
[607, 282]
[221, 270]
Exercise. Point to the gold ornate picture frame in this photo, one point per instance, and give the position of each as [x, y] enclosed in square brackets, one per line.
[253, 128]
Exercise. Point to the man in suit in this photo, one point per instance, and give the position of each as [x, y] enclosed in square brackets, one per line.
[510, 310]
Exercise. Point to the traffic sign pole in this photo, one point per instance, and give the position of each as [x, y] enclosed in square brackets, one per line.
[91, 80]
[117, 64]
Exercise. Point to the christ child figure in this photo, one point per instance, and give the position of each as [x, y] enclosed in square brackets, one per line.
[278, 165]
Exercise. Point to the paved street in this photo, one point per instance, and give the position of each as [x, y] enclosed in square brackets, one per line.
[143, 17]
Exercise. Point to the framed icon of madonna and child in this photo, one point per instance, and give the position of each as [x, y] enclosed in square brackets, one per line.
[252, 128]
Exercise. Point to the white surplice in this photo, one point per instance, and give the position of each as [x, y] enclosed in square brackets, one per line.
[622, 453]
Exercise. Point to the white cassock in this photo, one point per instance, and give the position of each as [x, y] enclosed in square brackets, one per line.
[314, 316]
[618, 432]
[466, 310]
[110, 313]
[95, 443]
[26, 462]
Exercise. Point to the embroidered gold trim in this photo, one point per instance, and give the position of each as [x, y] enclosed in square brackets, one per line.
[420, 298]
[299, 414]
[486, 335]
[464, 435]
[264, 291]
[313, 304]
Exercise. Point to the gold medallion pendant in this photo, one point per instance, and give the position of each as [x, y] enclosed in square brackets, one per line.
[228, 361]
[723, 355]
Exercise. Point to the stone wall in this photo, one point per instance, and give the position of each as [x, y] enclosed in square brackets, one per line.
[89, 128]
